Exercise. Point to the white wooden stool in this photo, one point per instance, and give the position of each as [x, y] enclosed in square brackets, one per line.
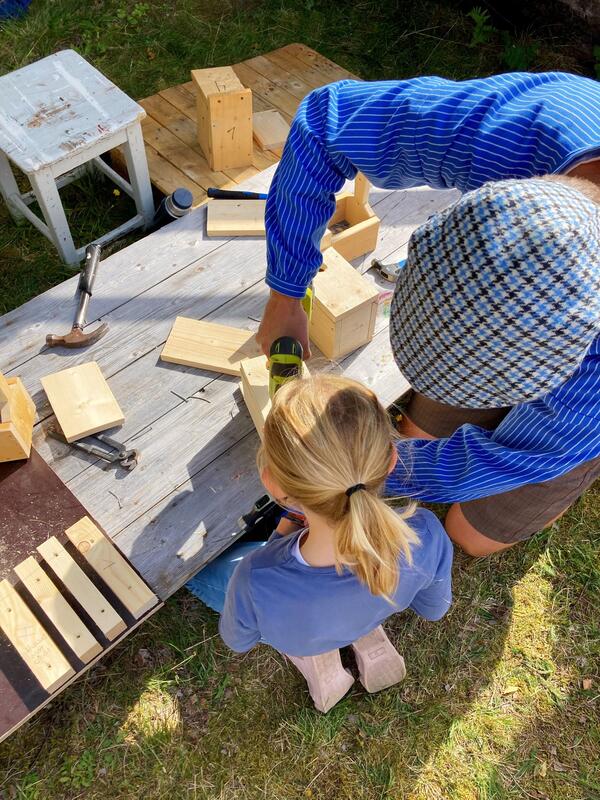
[56, 117]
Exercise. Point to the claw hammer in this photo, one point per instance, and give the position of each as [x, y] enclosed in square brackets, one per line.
[76, 337]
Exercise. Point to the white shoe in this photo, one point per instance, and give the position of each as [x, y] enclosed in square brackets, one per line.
[327, 679]
[379, 663]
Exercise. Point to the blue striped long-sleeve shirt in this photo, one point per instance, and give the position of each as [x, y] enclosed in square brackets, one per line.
[445, 134]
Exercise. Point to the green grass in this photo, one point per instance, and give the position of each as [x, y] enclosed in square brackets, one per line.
[494, 705]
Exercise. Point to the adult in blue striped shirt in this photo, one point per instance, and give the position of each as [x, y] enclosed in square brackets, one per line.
[507, 471]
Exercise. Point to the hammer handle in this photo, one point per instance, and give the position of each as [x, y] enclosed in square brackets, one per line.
[86, 282]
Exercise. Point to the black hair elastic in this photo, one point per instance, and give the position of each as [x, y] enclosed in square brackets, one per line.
[355, 488]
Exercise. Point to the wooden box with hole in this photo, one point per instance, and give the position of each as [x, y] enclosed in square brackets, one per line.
[344, 307]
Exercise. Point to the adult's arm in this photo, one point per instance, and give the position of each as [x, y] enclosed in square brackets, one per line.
[421, 131]
[535, 442]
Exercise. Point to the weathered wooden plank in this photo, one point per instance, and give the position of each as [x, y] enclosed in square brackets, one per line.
[296, 68]
[280, 77]
[279, 98]
[330, 71]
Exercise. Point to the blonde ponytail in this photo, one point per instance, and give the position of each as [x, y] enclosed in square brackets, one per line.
[329, 442]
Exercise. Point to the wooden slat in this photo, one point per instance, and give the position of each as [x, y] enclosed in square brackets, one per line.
[270, 130]
[280, 98]
[82, 401]
[296, 68]
[31, 641]
[330, 71]
[110, 565]
[167, 177]
[189, 160]
[280, 77]
[58, 611]
[206, 345]
[80, 586]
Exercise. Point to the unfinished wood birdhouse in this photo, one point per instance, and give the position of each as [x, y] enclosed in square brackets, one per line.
[344, 307]
[17, 413]
[354, 227]
[224, 115]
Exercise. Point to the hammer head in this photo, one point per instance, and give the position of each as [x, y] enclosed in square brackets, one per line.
[76, 337]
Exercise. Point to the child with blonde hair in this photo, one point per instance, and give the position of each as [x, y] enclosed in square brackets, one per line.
[330, 582]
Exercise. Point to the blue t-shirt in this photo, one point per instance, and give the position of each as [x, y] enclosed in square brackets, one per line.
[303, 610]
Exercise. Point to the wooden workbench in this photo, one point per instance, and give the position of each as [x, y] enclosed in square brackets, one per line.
[279, 81]
[180, 506]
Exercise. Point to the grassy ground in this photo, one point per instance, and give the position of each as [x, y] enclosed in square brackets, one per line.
[501, 700]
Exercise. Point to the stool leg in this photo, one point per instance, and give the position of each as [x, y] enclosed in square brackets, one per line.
[46, 192]
[137, 167]
[9, 188]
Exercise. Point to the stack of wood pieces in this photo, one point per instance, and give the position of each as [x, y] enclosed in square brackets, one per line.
[60, 609]
[17, 413]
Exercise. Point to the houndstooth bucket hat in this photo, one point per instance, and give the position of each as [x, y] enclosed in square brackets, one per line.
[500, 296]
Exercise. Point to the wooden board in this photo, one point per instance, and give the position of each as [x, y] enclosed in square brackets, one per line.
[279, 80]
[81, 587]
[57, 609]
[235, 218]
[110, 565]
[31, 641]
[82, 401]
[207, 345]
[270, 130]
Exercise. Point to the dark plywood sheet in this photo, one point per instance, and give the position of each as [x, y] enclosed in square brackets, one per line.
[34, 504]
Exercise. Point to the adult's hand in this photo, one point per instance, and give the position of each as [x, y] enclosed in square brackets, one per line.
[283, 316]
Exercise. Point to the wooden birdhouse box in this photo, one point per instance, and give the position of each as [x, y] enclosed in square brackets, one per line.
[354, 227]
[224, 116]
[344, 307]
[17, 413]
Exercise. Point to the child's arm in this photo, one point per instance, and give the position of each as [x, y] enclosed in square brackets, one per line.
[238, 624]
[435, 598]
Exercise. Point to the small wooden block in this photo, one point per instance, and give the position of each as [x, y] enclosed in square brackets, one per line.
[82, 401]
[235, 218]
[17, 415]
[112, 567]
[207, 345]
[58, 611]
[81, 587]
[224, 115]
[344, 307]
[31, 641]
[270, 130]
[255, 389]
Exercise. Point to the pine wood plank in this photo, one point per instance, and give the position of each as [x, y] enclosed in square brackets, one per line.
[279, 98]
[58, 611]
[167, 177]
[17, 413]
[270, 130]
[236, 218]
[207, 345]
[31, 641]
[110, 565]
[280, 77]
[296, 68]
[331, 71]
[82, 401]
[83, 590]
[189, 160]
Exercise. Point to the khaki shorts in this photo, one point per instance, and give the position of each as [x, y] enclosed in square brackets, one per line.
[511, 516]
